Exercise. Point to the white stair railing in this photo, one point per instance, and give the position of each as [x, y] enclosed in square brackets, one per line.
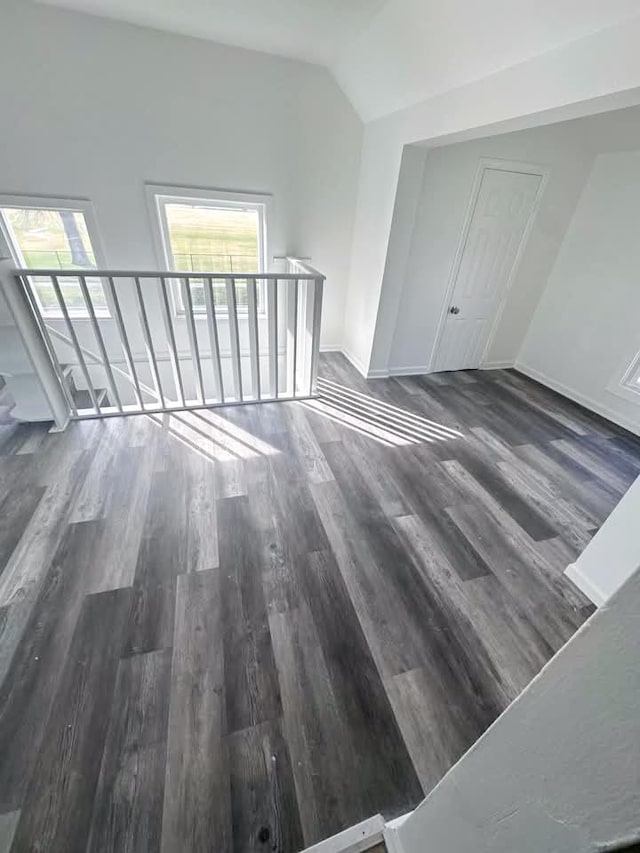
[165, 341]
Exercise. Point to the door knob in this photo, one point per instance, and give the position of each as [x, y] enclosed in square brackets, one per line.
[454, 309]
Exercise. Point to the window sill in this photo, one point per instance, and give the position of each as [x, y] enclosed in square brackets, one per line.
[75, 315]
[220, 315]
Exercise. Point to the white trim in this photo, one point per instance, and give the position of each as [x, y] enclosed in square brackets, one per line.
[624, 383]
[412, 370]
[593, 592]
[84, 206]
[355, 839]
[503, 166]
[497, 365]
[378, 373]
[577, 397]
[355, 361]
[392, 840]
[330, 348]
[396, 822]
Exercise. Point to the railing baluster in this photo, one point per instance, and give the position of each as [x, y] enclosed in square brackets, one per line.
[272, 307]
[254, 341]
[318, 285]
[113, 388]
[171, 341]
[291, 348]
[214, 343]
[148, 342]
[76, 343]
[294, 366]
[232, 310]
[193, 339]
[124, 340]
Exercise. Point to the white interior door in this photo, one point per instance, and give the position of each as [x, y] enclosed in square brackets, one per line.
[504, 203]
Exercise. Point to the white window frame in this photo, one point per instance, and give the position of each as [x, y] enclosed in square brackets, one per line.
[10, 244]
[160, 195]
[625, 383]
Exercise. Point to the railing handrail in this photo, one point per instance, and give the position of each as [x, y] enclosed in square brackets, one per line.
[301, 262]
[169, 274]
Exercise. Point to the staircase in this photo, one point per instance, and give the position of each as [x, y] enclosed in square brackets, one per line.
[21, 397]
[81, 396]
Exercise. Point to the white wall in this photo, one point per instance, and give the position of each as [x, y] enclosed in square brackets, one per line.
[585, 331]
[613, 554]
[93, 108]
[593, 74]
[448, 181]
[558, 771]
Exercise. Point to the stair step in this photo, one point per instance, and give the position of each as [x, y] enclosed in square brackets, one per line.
[82, 398]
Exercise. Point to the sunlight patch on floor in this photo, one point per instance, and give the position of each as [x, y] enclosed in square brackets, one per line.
[375, 418]
[212, 436]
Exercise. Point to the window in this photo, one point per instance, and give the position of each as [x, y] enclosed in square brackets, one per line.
[631, 378]
[211, 231]
[53, 234]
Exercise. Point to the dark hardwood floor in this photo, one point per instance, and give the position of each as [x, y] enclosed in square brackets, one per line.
[247, 629]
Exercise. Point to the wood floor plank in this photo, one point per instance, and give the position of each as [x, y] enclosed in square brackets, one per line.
[31, 557]
[273, 621]
[315, 732]
[584, 491]
[16, 512]
[488, 618]
[490, 478]
[127, 809]
[379, 753]
[251, 681]
[197, 798]
[608, 473]
[264, 809]
[38, 663]
[57, 810]
[163, 555]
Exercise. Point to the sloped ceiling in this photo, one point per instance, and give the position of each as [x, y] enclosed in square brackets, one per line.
[414, 49]
[312, 30]
[385, 54]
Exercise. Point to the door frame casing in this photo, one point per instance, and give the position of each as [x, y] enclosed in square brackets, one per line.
[484, 163]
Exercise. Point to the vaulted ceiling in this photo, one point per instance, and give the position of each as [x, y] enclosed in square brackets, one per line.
[312, 30]
[385, 54]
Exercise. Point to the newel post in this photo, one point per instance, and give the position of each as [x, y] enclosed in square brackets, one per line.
[27, 324]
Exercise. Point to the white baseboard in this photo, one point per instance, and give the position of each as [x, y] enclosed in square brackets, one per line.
[497, 365]
[355, 839]
[589, 403]
[330, 348]
[392, 840]
[586, 586]
[355, 361]
[412, 370]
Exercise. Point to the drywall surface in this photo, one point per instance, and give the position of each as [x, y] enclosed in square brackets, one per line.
[93, 108]
[592, 74]
[408, 196]
[558, 771]
[444, 203]
[585, 330]
[613, 554]
[411, 49]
